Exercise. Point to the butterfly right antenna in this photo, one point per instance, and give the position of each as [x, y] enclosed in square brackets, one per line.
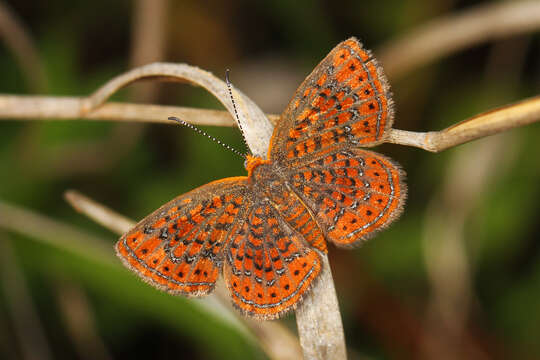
[229, 86]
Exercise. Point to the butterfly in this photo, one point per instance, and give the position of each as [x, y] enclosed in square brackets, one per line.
[265, 232]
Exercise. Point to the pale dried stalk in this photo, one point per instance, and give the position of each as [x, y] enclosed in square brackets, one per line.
[119, 224]
[319, 320]
[28, 223]
[275, 339]
[18, 40]
[26, 325]
[319, 323]
[451, 33]
[254, 123]
[79, 320]
[63, 108]
[482, 125]
[104, 216]
[148, 42]
[424, 43]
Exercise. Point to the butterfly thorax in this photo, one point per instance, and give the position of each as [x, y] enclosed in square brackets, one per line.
[253, 162]
[264, 177]
[262, 174]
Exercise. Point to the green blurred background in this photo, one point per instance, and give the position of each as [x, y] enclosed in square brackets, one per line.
[458, 276]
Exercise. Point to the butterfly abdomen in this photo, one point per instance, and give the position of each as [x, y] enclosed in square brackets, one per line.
[270, 183]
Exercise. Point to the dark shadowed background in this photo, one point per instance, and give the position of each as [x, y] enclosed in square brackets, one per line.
[458, 276]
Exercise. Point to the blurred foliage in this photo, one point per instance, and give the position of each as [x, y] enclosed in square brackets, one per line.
[383, 287]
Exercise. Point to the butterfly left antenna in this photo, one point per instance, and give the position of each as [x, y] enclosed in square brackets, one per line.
[201, 132]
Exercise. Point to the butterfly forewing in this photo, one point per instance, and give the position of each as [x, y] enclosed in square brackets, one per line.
[353, 193]
[269, 267]
[179, 248]
[344, 102]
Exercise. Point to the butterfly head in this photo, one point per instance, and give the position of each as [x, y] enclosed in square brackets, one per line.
[252, 162]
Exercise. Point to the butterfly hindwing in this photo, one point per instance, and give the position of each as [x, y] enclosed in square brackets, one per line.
[179, 248]
[268, 265]
[352, 193]
[344, 102]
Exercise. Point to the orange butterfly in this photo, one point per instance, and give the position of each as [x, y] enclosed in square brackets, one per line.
[265, 231]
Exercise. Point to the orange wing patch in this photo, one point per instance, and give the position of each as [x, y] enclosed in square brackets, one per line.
[345, 102]
[353, 193]
[268, 268]
[179, 248]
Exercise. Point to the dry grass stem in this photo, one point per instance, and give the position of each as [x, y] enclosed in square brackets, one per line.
[102, 215]
[479, 126]
[26, 325]
[276, 340]
[39, 227]
[323, 336]
[148, 42]
[19, 41]
[118, 224]
[254, 123]
[63, 108]
[451, 33]
[482, 125]
[79, 320]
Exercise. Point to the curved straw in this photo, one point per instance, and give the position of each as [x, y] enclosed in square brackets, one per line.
[18, 39]
[53, 108]
[254, 123]
[488, 123]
